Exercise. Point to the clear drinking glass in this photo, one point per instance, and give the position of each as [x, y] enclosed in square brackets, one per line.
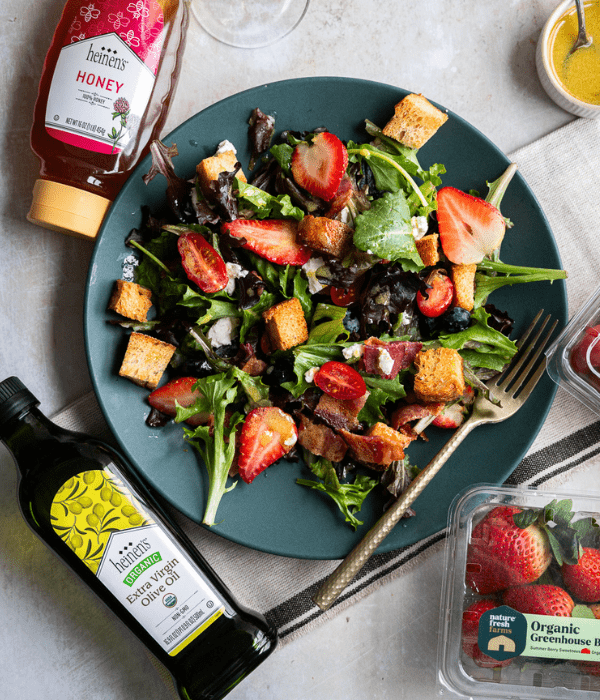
[249, 24]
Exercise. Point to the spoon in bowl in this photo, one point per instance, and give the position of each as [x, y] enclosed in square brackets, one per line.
[583, 38]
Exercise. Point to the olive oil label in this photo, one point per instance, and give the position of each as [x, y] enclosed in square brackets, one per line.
[100, 519]
[104, 75]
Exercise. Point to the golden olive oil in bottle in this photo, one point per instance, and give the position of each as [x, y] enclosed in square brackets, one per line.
[84, 501]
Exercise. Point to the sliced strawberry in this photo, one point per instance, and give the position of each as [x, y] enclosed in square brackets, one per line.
[438, 297]
[470, 228]
[267, 435]
[340, 381]
[273, 239]
[319, 166]
[451, 416]
[201, 262]
[178, 390]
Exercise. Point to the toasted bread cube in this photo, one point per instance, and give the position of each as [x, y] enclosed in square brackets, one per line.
[146, 359]
[326, 235]
[463, 277]
[414, 122]
[208, 169]
[130, 300]
[286, 324]
[439, 375]
[429, 250]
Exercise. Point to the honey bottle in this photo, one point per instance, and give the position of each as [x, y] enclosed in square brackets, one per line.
[106, 86]
[85, 502]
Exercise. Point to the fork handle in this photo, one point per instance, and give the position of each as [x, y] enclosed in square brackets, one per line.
[354, 561]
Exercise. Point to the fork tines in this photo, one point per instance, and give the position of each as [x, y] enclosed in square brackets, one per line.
[505, 380]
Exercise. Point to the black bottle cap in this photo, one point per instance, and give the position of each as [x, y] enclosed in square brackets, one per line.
[14, 398]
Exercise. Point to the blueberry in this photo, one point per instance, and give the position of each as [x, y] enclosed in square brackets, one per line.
[455, 320]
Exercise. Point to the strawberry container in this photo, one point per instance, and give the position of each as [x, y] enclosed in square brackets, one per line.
[520, 595]
[573, 360]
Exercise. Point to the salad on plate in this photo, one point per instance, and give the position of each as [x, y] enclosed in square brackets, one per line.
[327, 302]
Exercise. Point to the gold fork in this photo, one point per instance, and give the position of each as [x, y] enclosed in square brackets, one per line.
[511, 389]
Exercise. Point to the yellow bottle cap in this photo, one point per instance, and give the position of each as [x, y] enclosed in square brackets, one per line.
[67, 209]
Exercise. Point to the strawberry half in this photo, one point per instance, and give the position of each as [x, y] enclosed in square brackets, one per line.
[177, 390]
[272, 239]
[501, 554]
[470, 228]
[319, 166]
[267, 435]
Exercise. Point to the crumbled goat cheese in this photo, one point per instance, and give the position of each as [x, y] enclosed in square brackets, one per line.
[385, 362]
[355, 351]
[234, 271]
[129, 265]
[221, 332]
[309, 376]
[225, 146]
[310, 268]
[291, 441]
[419, 226]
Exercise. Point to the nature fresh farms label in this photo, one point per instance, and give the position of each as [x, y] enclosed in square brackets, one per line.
[99, 518]
[505, 633]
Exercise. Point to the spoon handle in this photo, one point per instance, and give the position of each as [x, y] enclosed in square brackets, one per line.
[582, 36]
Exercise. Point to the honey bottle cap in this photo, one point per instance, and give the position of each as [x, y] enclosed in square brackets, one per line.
[67, 209]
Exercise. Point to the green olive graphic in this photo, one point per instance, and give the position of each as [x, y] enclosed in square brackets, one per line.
[99, 510]
[89, 477]
[128, 511]
[105, 493]
[85, 501]
[76, 541]
[75, 508]
[135, 519]
[116, 499]
[92, 520]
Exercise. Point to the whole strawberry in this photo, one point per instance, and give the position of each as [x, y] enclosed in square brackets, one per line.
[539, 599]
[470, 632]
[502, 554]
[582, 580]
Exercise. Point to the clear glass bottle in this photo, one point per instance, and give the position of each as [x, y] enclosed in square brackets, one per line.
[83, 500]
[106, 87]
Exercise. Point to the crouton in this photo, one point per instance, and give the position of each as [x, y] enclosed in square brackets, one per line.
[380, 447]
[326, 235]
[130, 300]
[414, 122]
[429, 250]
[146, 359]
[208, 169]
[439, 375]
[286, 324]
[463, 277]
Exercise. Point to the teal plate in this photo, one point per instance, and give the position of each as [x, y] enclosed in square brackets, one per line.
[274, 514]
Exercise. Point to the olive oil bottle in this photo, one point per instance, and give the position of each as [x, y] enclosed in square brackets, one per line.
[83, 500]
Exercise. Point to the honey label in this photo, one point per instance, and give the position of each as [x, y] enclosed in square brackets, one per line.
[109, 529]
[105, 74]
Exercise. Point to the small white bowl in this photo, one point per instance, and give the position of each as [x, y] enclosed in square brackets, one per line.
[550, 83]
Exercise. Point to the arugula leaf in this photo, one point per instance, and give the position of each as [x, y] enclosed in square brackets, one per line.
[216, 444]
[256, 392]
[510, 274]
[327, 325]
[265, 205]
[386, 230]
[348, 497]
[381, 392]
[481, 345]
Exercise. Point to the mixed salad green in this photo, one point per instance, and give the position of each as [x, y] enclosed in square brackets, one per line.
[229, 384]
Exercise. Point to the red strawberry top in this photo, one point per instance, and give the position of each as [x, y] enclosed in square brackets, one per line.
[501, 554]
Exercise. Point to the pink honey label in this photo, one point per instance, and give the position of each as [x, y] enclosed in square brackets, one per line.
[105, 73]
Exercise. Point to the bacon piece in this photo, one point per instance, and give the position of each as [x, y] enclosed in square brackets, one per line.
[321, 440]
[414, 411]
[402, 353]
[380, 447]
[340, 414]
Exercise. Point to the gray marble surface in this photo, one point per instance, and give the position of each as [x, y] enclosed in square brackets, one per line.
[56, 640]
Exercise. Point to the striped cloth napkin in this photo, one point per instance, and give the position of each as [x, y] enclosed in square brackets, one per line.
[563, 169]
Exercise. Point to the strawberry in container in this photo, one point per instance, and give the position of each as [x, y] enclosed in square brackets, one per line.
[523, 567]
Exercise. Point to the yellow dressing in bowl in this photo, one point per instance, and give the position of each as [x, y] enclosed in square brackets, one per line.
[579, 72]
